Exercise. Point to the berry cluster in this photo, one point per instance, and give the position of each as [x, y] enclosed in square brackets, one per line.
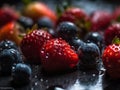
[58, 44]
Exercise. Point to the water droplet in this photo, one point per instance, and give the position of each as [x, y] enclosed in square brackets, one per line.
[36, 83]
[41, 80]
[42, 52]
[32, 88]
[93, 75]
[84, 73]
[46, 81]
[35, 76]
[46, 56]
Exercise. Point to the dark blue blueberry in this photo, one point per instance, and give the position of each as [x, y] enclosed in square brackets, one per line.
[26, 22]
[21, 74]
[7, 44]
[52, 32]
[89, 55]
[75, 42]
[96, 38]
[66, 30]
[8, 58]
[45, 22]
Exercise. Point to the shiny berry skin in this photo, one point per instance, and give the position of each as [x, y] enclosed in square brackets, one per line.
[89, 55]
[21, 74]
[45, 22]
[8, 58]
[26, 22]
[66, 30]
[32, 43]
[7, 44]
[111, 60]
[57, 56]
[111, 32]
[96, 38]
[75, 42]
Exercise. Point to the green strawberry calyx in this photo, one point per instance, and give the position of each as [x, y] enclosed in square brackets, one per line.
[116, 40]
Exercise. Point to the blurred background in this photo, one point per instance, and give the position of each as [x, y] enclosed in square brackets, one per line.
[88, 5]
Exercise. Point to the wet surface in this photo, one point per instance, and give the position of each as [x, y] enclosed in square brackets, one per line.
[75, 80]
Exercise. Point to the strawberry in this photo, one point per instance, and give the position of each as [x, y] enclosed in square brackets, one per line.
[100, 20]
[111, 60]
[7, 14]
[116, 14]
[112, 31]
[11, 32]
[32, 43]
[57, 56]
[78, 16]
[36, 10]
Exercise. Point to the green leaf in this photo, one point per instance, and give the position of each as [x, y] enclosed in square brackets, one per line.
[26, 2]
[116, 40]
[118, 18]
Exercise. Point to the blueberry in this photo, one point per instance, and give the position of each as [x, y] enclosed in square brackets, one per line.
[96, 38]
[66, 30]
[45, 22]
[21, 74]
[52, 32]
[26, 22]
[7, 44]
[75, 42]
[89, 55]
[8, 58]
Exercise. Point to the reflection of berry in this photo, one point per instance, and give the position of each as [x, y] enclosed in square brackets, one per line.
[32, 44]
[57, 56]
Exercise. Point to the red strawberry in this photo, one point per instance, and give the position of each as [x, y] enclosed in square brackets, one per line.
[11, 32]
[6, 15]
[112, 31]
[57, 56]
[78, 16]
[100, 20]
[32, 44]
[111, 60]
[116, 14]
